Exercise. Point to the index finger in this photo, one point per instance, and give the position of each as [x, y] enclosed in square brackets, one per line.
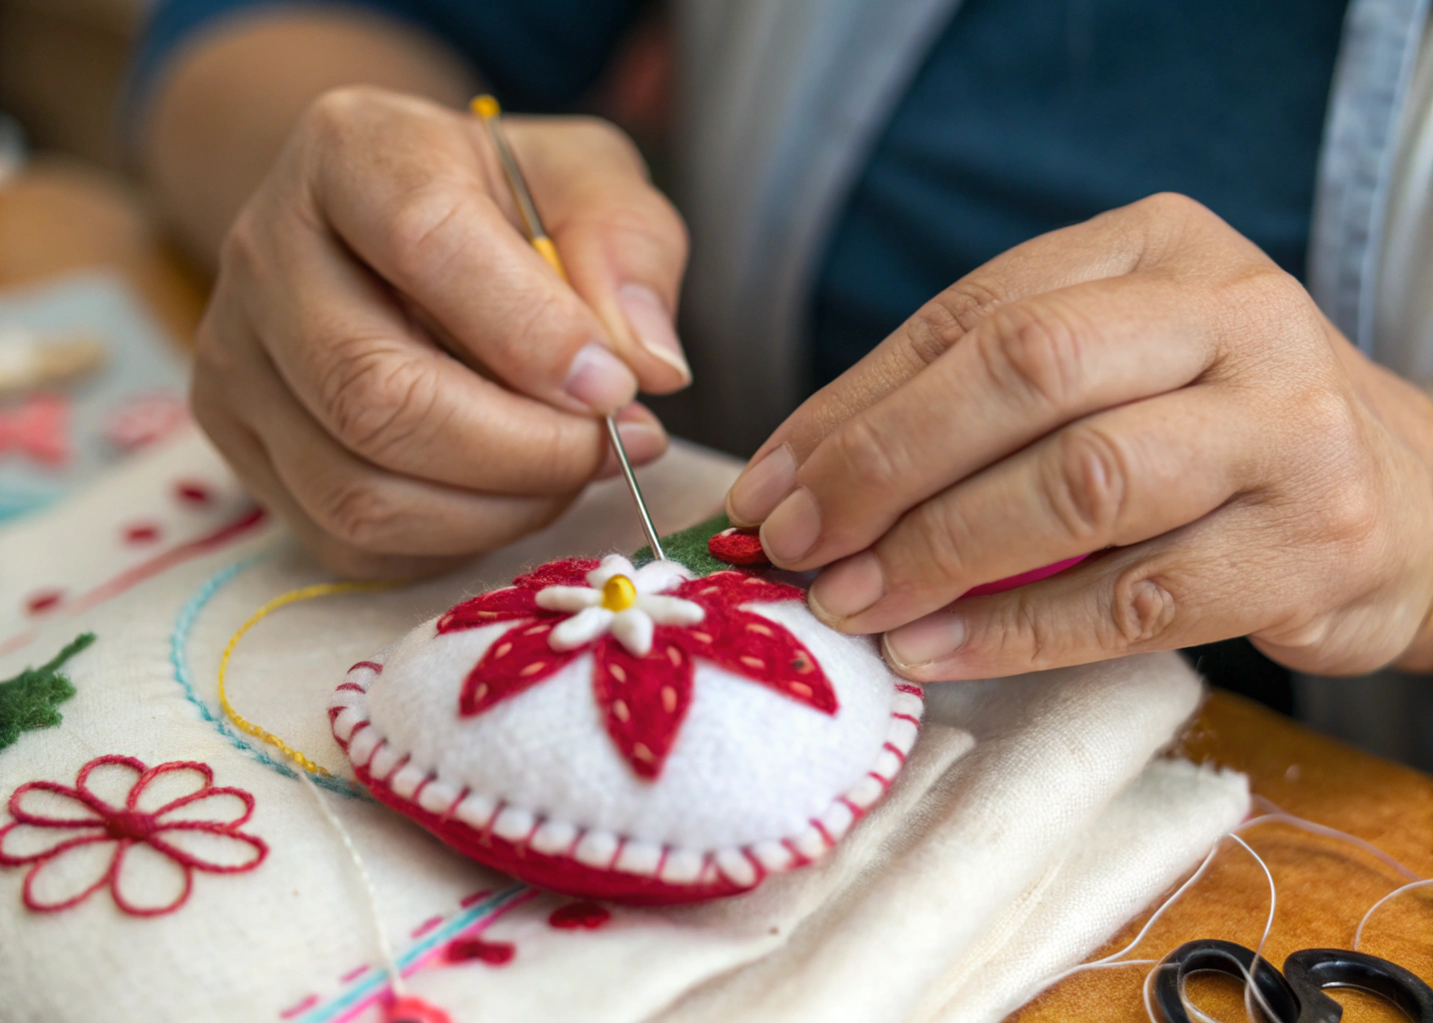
[1110, 245]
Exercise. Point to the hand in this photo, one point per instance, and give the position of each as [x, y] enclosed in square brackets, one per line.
[389, 364]
[1148, 385]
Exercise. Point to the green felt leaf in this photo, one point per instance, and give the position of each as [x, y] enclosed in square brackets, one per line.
[28, 700]
[689, 547]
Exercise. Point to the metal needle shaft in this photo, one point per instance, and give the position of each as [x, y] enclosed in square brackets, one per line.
[486, 107]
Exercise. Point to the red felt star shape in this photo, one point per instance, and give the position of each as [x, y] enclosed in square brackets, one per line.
[644, 699]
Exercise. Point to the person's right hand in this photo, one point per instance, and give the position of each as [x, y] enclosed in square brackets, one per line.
[389, 365]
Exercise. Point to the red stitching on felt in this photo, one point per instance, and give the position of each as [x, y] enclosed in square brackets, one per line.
[575, 916]
[126, 826]
[485, 833]
[453, 806]
[373, 752]
[493, 953]
[661, 862]
[897, 751]
[357, 971]
[885, 782]
[418, 792]
[388, 779]
[351, 687]
[475, 898]
[907, 717]
[644, 699]
[621, 842]
[825, 835]
[373, 666]
[761, 872]
[800, 859]
[426, 926]
[856, 810]
[146, 570]
[303, 1006]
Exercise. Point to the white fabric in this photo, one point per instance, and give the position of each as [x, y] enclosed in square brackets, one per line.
[876, 932]
[749, 764]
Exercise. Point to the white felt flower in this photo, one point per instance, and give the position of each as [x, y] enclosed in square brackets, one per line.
[625, 601]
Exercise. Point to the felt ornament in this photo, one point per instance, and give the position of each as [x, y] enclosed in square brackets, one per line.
[644, 734]
[28, 701]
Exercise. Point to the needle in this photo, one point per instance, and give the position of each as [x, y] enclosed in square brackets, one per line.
[486, 107]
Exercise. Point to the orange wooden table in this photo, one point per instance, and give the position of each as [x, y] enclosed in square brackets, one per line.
[58, 218]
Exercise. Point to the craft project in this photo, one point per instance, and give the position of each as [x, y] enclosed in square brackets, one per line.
[647, 734]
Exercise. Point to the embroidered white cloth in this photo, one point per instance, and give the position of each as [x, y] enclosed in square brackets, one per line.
[1027, 826]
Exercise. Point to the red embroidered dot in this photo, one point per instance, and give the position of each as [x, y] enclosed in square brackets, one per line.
[494, 953]
[738, 547]
[141, 533]
[42, 600]
[586, 916]
[193, 492]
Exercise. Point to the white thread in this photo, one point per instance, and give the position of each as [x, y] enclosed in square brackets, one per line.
[385, 948]
[1358, 934]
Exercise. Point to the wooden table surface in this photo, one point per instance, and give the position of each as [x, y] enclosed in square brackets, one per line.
[60, 217]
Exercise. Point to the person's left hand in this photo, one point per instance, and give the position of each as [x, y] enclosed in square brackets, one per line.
[1148, 385]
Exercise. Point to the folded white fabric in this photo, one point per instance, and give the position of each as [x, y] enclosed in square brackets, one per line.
[1027, 826]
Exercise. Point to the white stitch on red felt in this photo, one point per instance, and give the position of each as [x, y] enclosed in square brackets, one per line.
[743, 866]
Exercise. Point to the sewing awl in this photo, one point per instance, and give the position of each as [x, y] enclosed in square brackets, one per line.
[487, 108]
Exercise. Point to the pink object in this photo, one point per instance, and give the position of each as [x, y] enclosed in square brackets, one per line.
[144, 420]
[1011, 582]
[38, 429]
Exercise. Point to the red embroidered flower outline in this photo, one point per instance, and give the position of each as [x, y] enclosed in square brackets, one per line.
[644, 694]
[77, 841]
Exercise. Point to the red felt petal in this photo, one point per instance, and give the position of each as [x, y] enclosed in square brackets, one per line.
[519, 660]
[644, 699]
[724, 589]
[568, 572]
[763, 651]
[490, 608]
[738, 547]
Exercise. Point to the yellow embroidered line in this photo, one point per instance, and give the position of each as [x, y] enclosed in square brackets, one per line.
[292, 597]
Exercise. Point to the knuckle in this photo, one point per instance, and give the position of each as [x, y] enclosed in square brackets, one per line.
[605, 137]
[1034, 352]
[1143, 609]
[866, 457]
[1087, 484]
[358, 512]
[937, 551]
[948, 317]
[332, 112]
[648, 221]
[415, 234]
[1173, 207]
[378, 401]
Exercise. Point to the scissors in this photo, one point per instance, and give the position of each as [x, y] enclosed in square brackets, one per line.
[1297, 994]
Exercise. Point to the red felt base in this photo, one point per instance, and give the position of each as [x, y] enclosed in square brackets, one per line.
[561, 874]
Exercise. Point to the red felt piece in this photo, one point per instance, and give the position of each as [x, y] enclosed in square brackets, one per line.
[584, 916]
[738, 546]
[125, 826]
[518, 660]
[494, 953]
[559, 873]
[1012, 582]
[644, 699]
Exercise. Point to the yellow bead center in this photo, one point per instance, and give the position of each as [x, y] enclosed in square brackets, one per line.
[618, 593]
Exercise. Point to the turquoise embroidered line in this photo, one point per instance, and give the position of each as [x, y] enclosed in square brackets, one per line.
[377, 979]
[179, 658]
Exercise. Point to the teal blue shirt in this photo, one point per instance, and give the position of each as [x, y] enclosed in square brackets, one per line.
[1025, 116]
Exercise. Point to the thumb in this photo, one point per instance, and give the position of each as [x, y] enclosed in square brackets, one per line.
[622, 243]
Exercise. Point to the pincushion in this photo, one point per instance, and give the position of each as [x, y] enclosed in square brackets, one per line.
[646, 735]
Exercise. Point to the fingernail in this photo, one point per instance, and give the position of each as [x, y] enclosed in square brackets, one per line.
[793, 528]
[761, 487]
[651, 323]
[599, 379]
[848, 587]
[926, 639]
[642, 440]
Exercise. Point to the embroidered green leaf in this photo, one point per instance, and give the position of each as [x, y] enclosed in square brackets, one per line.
[28, 700]
[689, 547]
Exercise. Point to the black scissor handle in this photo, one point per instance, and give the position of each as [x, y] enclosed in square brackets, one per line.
[1237, 961]
[1310, 971]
